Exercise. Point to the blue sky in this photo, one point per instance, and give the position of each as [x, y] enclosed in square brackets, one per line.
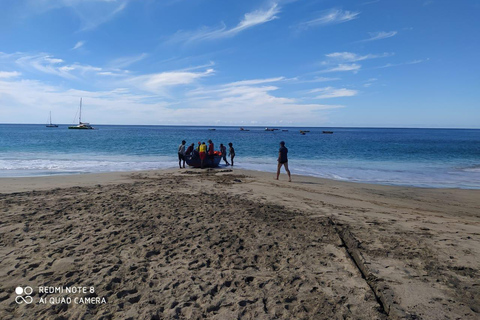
[408, 63]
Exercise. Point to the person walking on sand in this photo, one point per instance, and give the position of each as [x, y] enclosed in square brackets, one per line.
[211, 152]
[223, 150]
[231, 153]
[181, 154]
[203, 153]
[283, 160]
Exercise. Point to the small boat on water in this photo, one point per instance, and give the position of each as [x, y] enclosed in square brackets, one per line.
[81, 125]
[50, 124]
[327, 132]
[303, 132]
[284, 130]
[270, 129]
[212, 129]
[243, 129]
[193, 160]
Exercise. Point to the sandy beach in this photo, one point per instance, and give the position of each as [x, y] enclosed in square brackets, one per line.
[235, 244]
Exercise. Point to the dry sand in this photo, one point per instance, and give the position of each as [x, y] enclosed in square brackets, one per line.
[192, 244]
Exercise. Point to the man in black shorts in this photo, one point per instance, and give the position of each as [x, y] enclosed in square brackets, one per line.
[283, 160]
[181, 154]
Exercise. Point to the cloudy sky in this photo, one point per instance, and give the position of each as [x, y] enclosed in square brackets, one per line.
[389, 63]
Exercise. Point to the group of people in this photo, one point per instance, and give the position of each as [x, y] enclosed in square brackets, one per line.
[203, 151]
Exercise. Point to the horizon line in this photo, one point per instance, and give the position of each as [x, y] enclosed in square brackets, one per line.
[259, 126]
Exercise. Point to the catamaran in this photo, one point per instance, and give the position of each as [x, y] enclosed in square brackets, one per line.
[81, 125]
[50, 124]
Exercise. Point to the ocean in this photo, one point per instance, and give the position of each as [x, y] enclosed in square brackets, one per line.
[440, 158]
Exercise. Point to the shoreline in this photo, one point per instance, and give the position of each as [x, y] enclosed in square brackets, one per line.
[116, 176]
[220, 243]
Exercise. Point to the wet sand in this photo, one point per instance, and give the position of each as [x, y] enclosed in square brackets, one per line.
[222, 244]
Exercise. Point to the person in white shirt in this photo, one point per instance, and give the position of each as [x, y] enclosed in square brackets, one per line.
[181, 154]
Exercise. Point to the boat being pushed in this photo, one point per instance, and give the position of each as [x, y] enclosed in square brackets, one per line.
[193, 160]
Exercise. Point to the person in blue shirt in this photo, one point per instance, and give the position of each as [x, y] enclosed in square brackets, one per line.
[283, 160]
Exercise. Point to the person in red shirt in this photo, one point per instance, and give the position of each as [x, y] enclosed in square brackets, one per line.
[211, 151]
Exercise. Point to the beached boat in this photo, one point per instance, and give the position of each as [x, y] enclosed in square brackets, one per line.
[81, 125]
[50, 124]
[193, 160]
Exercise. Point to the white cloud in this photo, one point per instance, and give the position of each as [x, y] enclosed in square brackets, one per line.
[388, 65]
[157, 82]
[45, 63]
[370, 2]
[234, 105]
[249, 20]
[78, 45]
[343, 67]
[253, 104]
[330, 92]
[379, 35]
[370, 82]
[255, 81]
[92, 13]
[124, 62]
[9, 74]
[345, 61]
[332, 16]
[353, 57]
[169, 97]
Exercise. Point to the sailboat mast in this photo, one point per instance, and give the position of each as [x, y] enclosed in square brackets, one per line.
[80, 115]
[50, 117]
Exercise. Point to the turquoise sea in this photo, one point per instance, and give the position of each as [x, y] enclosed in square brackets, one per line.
[445, 158]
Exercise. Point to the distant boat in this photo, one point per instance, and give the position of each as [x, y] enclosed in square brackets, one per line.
[50, 124]
[243, 129]
[327, 132]
[303, 132]
[81, 125]
[211, 129]
[284, 130]
[270, 129]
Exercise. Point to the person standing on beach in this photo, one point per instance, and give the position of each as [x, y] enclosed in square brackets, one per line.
[181, 154]
[203, 153]
[231, 153]
[211, 152]
[223, 150]
[190, 149]
[283, 160]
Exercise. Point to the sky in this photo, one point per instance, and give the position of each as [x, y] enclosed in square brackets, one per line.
[322, 63]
